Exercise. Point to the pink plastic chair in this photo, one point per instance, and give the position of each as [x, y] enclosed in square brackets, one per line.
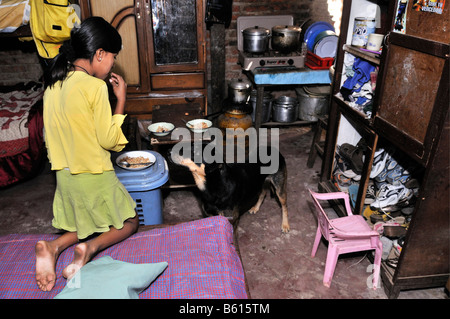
[344, 235]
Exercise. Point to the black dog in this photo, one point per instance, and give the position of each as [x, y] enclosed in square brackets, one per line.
[236, 187]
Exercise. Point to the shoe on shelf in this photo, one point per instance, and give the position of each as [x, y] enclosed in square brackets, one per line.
[354, 155]
[390, 195]
[368, 211]
[382, 216]
[370, 193]
[398, 175]
[342, 182]
[379, 162]
[343, 165]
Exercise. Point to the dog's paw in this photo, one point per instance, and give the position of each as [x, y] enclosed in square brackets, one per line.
[285, 228]
[253, 210]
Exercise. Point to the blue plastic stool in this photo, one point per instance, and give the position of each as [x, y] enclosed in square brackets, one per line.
[144, 187]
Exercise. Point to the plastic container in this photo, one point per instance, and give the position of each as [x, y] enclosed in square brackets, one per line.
[315, 62]
[144, 187]
[361, 30]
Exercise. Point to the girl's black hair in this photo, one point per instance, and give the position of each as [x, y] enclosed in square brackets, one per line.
[94, 33]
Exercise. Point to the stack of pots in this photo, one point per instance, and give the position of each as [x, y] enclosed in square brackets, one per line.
[285, 109]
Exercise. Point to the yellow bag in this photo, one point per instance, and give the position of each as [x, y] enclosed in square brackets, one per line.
[51, 22]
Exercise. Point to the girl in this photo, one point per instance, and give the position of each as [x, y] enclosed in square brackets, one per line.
[79, 133]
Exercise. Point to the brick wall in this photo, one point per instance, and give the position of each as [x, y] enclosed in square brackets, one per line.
[316, 10]
[19, 62]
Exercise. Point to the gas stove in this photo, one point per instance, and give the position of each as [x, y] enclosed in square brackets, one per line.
[270, 58]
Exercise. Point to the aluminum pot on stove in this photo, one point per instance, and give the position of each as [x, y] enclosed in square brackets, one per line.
[286, 38]
[256, 39]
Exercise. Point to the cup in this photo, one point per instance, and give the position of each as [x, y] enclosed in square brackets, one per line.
[374, 42]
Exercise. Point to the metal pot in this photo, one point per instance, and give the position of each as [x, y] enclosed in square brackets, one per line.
[313, 102]
[266, 106]
[285, 109]
[256, 39]
[286, 38]
[239, 90]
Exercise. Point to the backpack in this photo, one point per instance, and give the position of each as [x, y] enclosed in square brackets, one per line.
[51, 22]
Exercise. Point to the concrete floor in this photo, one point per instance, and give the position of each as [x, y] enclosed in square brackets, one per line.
[277, 266]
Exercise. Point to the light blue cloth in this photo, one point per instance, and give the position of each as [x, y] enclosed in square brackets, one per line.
[106, 278]
[299, 76]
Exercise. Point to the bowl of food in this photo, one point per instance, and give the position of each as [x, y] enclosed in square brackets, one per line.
[199, 125]
[161, 128]
[135, 160]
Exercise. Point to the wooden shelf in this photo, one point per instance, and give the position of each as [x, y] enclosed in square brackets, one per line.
[372, 57]
[295, 123]
[348, 109]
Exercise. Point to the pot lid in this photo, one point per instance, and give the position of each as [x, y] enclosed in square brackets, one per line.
[318, 90]
[239, 84]
[286, 28]
[256, 30]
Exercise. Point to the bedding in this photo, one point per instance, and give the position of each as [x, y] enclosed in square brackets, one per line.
[22, 146]
[202, 262]
[13, 14]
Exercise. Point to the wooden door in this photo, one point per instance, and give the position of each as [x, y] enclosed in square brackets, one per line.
[176, 36]
[128, 17]
[414, 93]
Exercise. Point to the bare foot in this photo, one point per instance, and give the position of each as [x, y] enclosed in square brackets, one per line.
[45, 265]
[80, 258]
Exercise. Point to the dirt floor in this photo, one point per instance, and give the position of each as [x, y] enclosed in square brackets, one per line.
[277, 265]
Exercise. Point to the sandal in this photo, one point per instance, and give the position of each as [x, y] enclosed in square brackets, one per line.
[392, 262]
[354, 155]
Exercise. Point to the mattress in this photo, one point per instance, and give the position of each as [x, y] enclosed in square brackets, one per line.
[202, 262]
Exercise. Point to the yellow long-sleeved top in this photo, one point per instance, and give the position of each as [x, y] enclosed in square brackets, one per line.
[80, 129]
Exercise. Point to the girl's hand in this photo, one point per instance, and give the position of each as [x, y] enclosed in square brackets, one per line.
[120, 91]
[119, 86]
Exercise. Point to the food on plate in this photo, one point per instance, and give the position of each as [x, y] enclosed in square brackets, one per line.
[161, 129]
[135, 161]
[200, 125]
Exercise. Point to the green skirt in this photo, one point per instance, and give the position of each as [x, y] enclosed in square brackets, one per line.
[90, 203]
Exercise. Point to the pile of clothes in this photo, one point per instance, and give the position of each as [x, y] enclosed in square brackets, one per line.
[359, 86]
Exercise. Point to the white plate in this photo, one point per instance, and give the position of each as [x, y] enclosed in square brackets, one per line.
[150, 157]
[192, 125]
[168, 127]
[326, 47]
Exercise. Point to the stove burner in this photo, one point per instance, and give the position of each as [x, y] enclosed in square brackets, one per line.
[271, 58]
